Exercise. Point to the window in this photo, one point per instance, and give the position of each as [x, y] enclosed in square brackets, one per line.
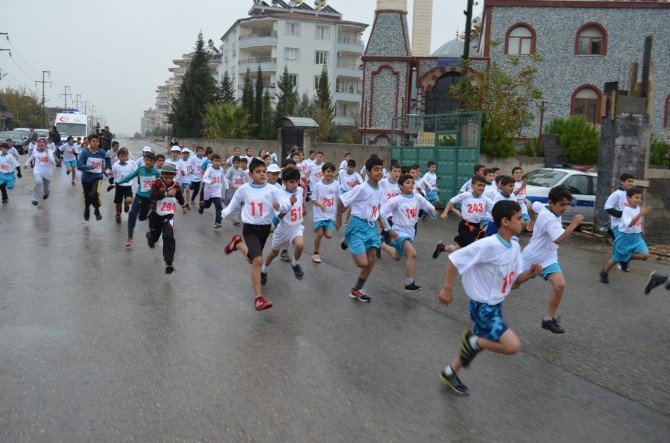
[322, 33]
[520, 40]
[292, 54]
[293, 78]
[316, 81]
[577, 184]
[293, 29]
[321, 58]
[586, 102]
[591, 40]
[666, 119]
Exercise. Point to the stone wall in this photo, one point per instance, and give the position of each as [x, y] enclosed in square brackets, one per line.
[656, 223]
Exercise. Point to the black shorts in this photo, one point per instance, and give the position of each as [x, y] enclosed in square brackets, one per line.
[468, 233]
[121, 192]
[255, 237]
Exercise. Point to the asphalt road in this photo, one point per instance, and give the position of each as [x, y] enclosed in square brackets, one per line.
[97, 343]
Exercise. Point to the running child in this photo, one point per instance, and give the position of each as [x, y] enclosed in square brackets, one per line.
[165, 194]
[344, 163]
[124, 191]
[187, 176]
[8, 165]
[67, 150]
[44, 162]
[404, 210]
[489, 268]
[235, 176]
[146, 175]
[614, 207]
[215, 183]
[160, 161]
[349, 179]
[478, 170]
[474, 207]
[324, 200]
[91, 162]
[176, 161]
[195, 162]
[361, 235]
[506, 192]
[229, 160]
[290, 230]
[548, 233]
[430, 179]
[628, 244]
[259, 201]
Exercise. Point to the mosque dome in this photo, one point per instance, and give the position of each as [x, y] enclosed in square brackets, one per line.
[452, 48]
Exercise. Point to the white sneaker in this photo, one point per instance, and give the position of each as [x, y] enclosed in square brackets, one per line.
[316, 258]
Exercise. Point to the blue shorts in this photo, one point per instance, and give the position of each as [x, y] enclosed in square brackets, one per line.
[399, 244]
[432, 196]
[185, 185]
[275, 221]
[525, 218]
[487, 320]
[70, 163]
[8, 178]
[625, 245]
[361, 236]
[615, 231]
[554, 268]
[327, 225]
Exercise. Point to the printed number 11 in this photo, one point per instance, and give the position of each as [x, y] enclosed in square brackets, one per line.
[254, 209]
[508, 280]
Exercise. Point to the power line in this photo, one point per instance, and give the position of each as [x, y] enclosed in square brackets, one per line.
[21, 57]
[18, 66]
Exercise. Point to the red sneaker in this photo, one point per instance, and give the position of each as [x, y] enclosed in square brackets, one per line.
[232, 244]
[129, 242]
[261, 304]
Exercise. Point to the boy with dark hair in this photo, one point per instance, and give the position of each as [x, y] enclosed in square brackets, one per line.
[260, 203]
[489, 269]
[91, 162]
[146, 175]
[614, 207]
[345, 162]
[430, 179]
[67, 150]
[324, 200]
[215, 183]
[505, 192]
[548, 234]
[235, 177]
[474, 208]
[478, 170]
[628, 244]
[124, 191]
[196, 162]
[361, 234]
[43, 170]
[159, 162]
[165, 194]
[349, 179]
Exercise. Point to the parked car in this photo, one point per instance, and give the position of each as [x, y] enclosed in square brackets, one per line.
[582, 183]
[16, 137]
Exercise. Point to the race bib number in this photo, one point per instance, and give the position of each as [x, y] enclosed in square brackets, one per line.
[216, 180]
[95, 164]
[43, 159]
[390, 196]
[257, 209]
[167, 207]
[351, 184]
[328, 202]
[4, 168]
[507, 282]
[238, 181]
[472, 208]
[374, 212]
[146, 182]
[411, 213]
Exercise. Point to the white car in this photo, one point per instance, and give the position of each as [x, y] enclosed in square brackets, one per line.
[581, 183]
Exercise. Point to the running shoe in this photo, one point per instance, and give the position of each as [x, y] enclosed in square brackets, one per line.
[45, 196]
[149, 242]
[297, 271]
[654, 281]
[360, 295]
[454, 383]
[129, 242]
[187, 206]
[232, 244]
[217, 225]
[412, 287]
[552, 326]
[624, 266]
[283, 255]
[35, 204]
[236, 222]
[169, 269]
[316, 258]
[118, 218]
[5, 200]
[201, 208]
[87, 213]
[98, 215]
[618, 266]
[264, 278]
[344, 245]
[468, 353]
[126, 207]
[439, 249]
[261, 304]
[604, 278]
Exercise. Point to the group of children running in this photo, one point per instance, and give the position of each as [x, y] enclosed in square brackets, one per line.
[381, 208]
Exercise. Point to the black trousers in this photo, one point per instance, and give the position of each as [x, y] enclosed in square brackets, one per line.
[139, 208]
[195, 187]
[162, 225]
[92, 193]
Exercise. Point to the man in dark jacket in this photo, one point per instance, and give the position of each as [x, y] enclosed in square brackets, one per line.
[54, 136]
[106, 139]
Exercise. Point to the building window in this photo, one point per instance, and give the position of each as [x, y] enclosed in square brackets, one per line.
[586, 102]
[316, 81]
[293, 29]
[292, 54]
[666, 119]
[293, 78]
[322, 33]
[591, 40]
[321, 58]
[520, 40]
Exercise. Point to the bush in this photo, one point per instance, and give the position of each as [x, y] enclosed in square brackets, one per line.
[578, 138]
[659, 151]
[531, 148]
[496, 141]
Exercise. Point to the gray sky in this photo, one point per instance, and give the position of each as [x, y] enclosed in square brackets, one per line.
[115, 53]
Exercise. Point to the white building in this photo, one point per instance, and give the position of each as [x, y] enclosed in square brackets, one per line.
[303, 39]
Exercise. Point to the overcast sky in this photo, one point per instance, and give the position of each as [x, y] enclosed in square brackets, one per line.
[115, 53]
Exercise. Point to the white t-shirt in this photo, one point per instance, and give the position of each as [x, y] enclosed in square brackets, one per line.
[196, 167]
[467, 186]
[488, 268]
[179, 166]
[343, 165]
[8, 164]
[628, 215]
[474, 209]
[430, 178]
[490, 190]
[258, 201]
[215, 182]
[521, 195]
[326, 194]
[349, 181]
[364, 201]
[236, 177]
[293, 217]
[315, 172]
[44, 161]
[513, 198]
[68, 151]
[405, 212]
[389, 190]
[542, 248]
[122, 170]
[617, 200]
[302, 167]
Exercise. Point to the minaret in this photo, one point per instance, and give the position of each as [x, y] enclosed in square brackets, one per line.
[421, 27]
[387, 67]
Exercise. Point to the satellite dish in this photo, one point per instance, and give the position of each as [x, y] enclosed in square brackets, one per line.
[320, 4]
[296, 3]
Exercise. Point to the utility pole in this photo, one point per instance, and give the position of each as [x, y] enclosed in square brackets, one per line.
[44, 115]
[86, 107]
[77, 101]
[468, 29]
[65, 94]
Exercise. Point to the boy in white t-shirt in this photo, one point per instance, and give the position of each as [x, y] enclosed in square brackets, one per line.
[8, 165]
[548, 233]
[124, 192]
[490, 268]
[629, 244]
[349, 179]
[324, 199]
[43, 169]
[614, 207]
[344, 163]
[215, 184]
[68, 151]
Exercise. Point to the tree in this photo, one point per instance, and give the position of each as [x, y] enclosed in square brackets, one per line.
[227, 93]
[496, 141]
[304, 108]
[223, 120]
[324, 107]
[24, 105]
[198, 88]
[268, 131]
[258, 104]
[578, 138]
[658, 152]
[287, 98]
[248, 96]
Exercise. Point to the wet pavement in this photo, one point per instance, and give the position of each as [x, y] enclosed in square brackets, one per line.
[97, 343]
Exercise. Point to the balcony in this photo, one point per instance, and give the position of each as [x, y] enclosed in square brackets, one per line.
[344, 120]
[349, 44]
[268, 38]
[348, 95]
[348, 69]
[267, 64]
